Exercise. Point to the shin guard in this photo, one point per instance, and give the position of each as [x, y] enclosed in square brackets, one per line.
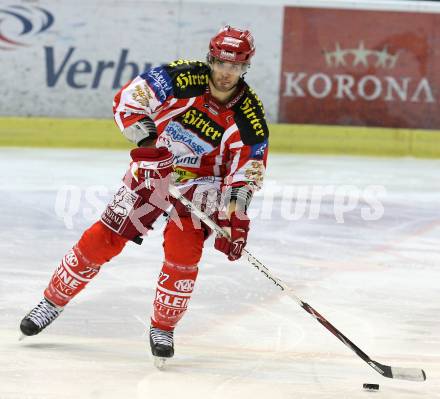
[174, 288]
[97, 245]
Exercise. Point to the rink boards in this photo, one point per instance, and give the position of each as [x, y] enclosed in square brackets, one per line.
[68, 60]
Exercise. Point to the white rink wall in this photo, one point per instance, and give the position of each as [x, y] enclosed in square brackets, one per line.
[72, 66]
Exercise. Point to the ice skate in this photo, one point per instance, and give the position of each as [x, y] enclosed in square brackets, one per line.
[162, 346]
[39, 318]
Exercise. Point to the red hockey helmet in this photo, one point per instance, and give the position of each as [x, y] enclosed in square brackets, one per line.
[232, 45]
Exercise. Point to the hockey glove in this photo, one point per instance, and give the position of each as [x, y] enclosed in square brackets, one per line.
[238, 227]
[150, 164]
[143, 196]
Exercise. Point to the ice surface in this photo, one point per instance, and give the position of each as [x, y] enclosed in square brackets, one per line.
[377, 281]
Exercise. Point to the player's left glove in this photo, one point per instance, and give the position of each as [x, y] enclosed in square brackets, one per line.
[238, 227]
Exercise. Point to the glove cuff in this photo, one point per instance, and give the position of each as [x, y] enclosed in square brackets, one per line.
[239, 220]
[149, 154]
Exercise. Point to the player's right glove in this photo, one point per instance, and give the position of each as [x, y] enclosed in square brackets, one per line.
[143, 196]
[238, 227]
[151, 165]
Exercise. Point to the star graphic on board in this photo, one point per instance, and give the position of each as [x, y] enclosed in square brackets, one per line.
[339, 55]
[360, 55]
[335, 58]
[386, 60]
[382, 58]
[393, 60]
[328, 55]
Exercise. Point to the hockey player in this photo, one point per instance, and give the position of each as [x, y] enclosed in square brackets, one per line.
[202, 127]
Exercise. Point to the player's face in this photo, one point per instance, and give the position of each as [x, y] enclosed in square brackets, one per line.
[225, 75]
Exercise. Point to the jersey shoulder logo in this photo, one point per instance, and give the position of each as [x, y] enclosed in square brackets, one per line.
[250, 119]
[159, 83]
[189, 78]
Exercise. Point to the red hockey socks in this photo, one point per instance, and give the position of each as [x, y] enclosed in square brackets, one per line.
[174, 288]
[97, 245]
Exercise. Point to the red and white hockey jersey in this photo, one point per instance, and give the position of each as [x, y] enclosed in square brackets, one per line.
[225, 141]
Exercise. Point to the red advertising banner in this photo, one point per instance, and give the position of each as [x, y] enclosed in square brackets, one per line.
[356, 67]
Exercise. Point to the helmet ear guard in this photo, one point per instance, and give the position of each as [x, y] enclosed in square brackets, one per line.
[209, 59]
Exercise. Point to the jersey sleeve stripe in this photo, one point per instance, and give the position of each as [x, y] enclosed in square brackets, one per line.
[235, 162]
[175, 112]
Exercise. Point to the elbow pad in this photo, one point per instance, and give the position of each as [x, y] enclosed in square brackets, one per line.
[141, 130]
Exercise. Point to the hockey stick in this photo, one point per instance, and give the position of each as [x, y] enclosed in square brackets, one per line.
[411, 374]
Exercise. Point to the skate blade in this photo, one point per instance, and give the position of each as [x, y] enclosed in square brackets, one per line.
[159, 362]
[22, 337]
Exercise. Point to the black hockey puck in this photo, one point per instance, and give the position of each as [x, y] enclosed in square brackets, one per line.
[371, 387]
